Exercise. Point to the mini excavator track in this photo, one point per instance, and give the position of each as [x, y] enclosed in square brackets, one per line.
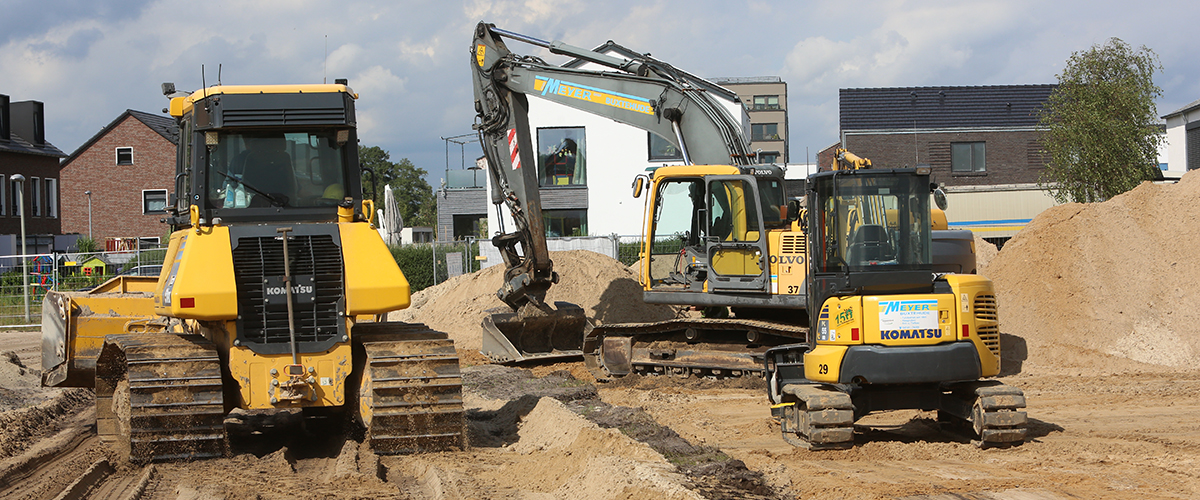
[410, 390]
[159, 397]
[992, 413]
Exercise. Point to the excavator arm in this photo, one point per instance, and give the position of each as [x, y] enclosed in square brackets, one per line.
[644, 93]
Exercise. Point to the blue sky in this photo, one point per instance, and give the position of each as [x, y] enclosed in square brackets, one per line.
[408, 60]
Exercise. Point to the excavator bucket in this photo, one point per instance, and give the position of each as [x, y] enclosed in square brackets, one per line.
[534, 333]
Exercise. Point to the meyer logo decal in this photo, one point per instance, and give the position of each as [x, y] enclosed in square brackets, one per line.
[894, 306]
[553, 86]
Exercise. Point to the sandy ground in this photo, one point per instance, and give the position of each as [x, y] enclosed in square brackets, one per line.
[1093, 301]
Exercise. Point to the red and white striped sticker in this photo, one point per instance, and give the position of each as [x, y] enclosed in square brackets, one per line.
[512, 148]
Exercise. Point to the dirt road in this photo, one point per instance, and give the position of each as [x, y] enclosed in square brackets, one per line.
[1093, 436]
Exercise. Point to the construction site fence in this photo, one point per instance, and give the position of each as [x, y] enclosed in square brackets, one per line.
[423, 264]
[25, 279]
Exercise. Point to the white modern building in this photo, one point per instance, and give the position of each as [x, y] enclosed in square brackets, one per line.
[1183, 140]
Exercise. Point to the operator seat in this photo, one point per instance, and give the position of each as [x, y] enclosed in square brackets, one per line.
[869, 243]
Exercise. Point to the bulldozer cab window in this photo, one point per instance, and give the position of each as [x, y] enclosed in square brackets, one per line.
[774, 208]
[871, 221]
[276, 169]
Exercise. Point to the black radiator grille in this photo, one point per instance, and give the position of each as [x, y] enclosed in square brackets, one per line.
[257, 259]
[257, 117]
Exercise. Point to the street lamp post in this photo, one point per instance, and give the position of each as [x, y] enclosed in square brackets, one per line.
[20, 179]
[89, 195]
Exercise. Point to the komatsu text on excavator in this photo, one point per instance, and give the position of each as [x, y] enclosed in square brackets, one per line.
[271, 297]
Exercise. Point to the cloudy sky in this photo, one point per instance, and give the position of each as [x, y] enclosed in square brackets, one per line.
[90, 60]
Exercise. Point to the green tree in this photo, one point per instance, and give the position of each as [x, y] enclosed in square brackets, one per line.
[414, 196]
[1102, 127]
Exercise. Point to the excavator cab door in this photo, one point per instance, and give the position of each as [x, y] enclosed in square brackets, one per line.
[736, 241]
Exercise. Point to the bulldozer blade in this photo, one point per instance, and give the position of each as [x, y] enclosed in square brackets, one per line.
[535, 334]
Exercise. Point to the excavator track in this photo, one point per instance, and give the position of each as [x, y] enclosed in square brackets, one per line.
[991, 412]
[159, 397]
[410, 390]
[816, 417]
[686, 347]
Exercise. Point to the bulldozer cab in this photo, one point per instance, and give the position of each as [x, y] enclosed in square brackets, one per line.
[870, 232]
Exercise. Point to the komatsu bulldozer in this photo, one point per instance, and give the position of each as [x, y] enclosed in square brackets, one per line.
[272, 295]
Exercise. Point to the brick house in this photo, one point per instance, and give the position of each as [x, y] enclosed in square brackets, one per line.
[129, 170]
[982, 143]
[24, 150]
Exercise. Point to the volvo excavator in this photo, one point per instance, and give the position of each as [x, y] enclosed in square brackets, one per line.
[720, 258]
[850, 306]
[271, 298]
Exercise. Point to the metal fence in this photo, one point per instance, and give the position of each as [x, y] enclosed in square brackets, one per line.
[25, 279]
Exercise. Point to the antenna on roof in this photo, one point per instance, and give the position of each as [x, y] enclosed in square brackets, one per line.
[218, 74]
[325, 62]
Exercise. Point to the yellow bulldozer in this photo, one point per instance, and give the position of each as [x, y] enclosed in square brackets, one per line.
[272, 295]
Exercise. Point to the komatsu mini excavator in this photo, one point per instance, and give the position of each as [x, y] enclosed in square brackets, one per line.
[271, 296]
[894, 326]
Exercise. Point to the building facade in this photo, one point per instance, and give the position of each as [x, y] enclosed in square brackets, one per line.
[118, 185]
[1183, 139]
[586, 162]
[24, 150]
[765, 98]
[982, 144]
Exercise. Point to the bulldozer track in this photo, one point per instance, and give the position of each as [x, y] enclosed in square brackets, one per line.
[410, 395]
[686, 347]
[159, 397]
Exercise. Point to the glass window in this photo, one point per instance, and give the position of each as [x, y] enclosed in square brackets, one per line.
[662, 149]
[565, 222]
[732, 213]
[16, 198]
[35, 201]
[470, 225]
[265, 169]
[154, 201]
[764, 131]
[968, 157]
[768, 157]
[766, 102]
[125, 156]
[562, 156]
[868, 221]
[52, 198]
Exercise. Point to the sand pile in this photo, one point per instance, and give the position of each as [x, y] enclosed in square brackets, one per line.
[607, 291]
[985, 251]
[1107, 286]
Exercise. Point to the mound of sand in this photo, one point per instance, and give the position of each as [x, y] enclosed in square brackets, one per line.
[985, 251]
[1107, 286]
[607, 291]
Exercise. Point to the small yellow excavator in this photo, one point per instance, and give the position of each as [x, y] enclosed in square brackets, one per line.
[271, 298]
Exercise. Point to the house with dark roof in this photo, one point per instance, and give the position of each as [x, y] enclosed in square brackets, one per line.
[982, 144]
[24, 150]
[1183, 138]
[116, 187]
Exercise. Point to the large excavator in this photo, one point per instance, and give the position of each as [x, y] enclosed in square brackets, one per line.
[723, 261]
[895, 325]
[271, 298]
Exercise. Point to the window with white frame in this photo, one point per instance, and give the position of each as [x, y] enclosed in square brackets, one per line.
[125, 156]
[154, 201]
[35, 200]
[52, 198]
